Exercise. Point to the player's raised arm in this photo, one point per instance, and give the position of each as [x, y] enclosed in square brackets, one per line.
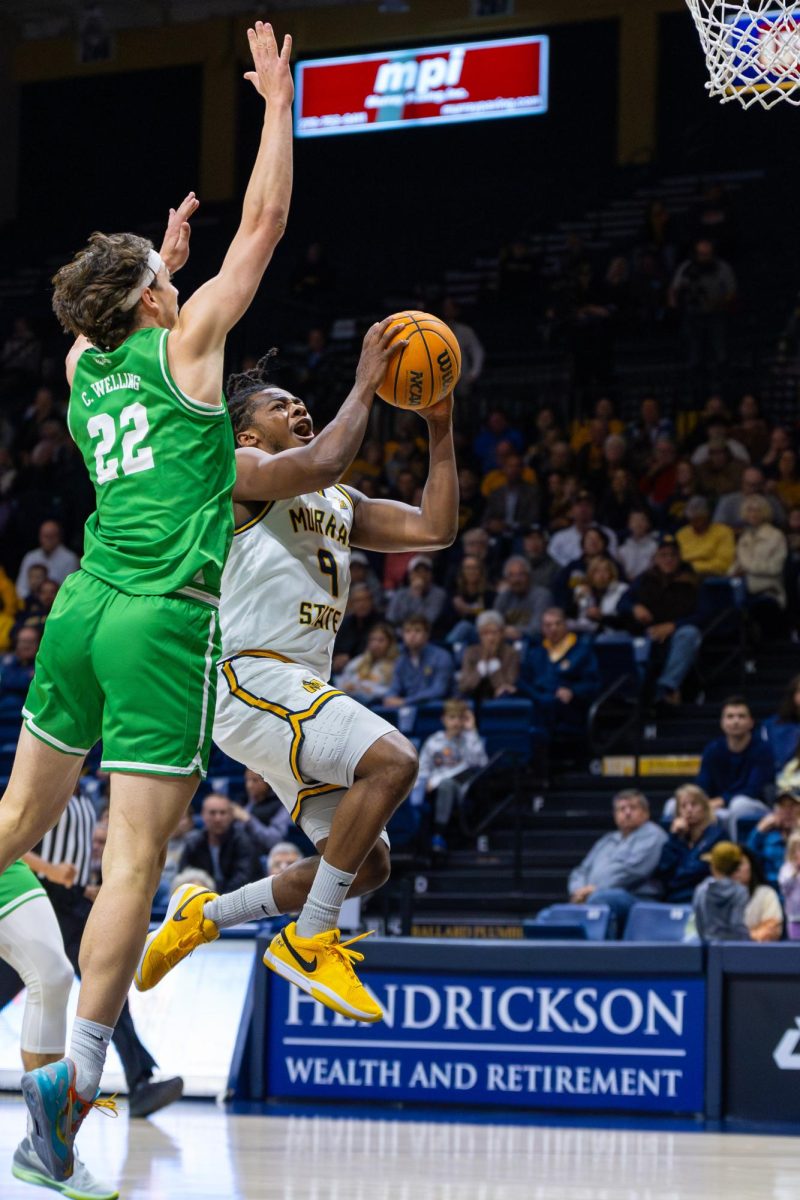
[270, 465]
[388, 525]
[216, 307]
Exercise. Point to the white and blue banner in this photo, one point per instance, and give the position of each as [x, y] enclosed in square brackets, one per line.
[547, 1043]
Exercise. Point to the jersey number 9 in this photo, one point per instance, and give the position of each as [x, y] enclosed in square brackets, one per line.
[327, 565]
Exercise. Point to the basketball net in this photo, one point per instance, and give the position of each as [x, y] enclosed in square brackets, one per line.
[752, 49]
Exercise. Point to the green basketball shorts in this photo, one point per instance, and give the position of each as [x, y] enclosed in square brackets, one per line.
[137, 671]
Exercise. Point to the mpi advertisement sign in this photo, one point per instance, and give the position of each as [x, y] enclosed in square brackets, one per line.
[635, 1045]
[437, 85]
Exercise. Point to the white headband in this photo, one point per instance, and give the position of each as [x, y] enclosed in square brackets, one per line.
[154, 264]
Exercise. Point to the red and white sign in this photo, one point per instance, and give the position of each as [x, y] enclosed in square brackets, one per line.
[473, 81]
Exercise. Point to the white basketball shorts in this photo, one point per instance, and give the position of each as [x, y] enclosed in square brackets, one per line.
[300, 734]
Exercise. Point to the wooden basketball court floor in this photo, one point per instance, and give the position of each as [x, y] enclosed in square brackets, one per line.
[197, 1150]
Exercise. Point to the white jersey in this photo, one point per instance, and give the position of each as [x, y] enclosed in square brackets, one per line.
[287, 578]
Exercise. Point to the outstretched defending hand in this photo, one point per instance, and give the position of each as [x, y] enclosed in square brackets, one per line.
[272, 77]
[380, 345]
[175, 246]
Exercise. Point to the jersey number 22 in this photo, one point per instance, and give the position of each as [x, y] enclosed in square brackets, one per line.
[135, 457]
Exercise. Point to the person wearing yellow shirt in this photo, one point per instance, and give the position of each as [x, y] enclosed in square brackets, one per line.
[706, 545]
[498, 477]
[9, 607]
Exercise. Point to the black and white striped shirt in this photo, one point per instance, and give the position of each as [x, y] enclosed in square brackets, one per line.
[70, 839]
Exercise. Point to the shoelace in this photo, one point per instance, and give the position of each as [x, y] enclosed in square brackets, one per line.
[106, 1104]
[342, 951]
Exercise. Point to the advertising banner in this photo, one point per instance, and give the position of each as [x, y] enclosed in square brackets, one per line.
[568, 1043]
[761, 1057]
[436, 85]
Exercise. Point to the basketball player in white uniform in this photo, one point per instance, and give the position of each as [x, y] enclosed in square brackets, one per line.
[340, 769]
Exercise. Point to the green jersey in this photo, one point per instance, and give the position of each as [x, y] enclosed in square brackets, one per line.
[163, 469]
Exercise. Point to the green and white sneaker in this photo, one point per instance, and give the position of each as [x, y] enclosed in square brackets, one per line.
[81, 1184]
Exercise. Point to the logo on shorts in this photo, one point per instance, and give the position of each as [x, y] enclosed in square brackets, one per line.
[313, 685]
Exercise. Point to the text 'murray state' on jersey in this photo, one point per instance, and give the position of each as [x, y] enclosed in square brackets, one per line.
[286, 582]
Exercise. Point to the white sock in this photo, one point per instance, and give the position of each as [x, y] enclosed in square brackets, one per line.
[253, 902]
[88, 1051]
[320, 913]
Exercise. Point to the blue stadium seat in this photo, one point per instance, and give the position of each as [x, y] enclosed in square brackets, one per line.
[650, 922]
[594, 919]
[623, 662]
[428, 719]
[505, 725]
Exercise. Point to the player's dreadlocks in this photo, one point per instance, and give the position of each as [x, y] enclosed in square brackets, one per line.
[243, 388]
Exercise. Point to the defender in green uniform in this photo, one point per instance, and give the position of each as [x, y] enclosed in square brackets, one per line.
[130, 646]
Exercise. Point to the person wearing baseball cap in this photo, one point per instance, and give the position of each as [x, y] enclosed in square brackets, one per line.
[719, 902]
[421, 597]
[769, 838]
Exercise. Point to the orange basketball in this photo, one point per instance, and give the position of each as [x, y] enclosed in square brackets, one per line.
[427, 368]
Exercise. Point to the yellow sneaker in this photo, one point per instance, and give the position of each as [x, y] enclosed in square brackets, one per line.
[183, 929]
[323, 967]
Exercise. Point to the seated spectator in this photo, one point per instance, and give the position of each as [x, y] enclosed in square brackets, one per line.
[9, 606]
[367, 677]
[721, 473]
[673, 509]
[420, 598]
[729, 508]
[221, 847]
[490, 669]
[514, 504]
[619, 500]
[769, 839]
[662, 604]
[475, 543]
[471, 501]
[782, 730]
[496, 428]
[594, 545]
[760, 554]
[282, 856]
[520, 602]
[361, 616]
[534, 547]
[448, 761]
[736, 768]
[707, 547]
[638, 550]
[692, 834]
[789, 884]
[422, 672]
[658, 481]
[498, 477]
[786, 484]
[750, 429]
[195, 875]
[717, 432]
[598, 597]
[618, 870]
[649, 428]
[763, 915]
[362, 572]
[37, 607]
[557, 500]
[471, 594]
[58, 561]
[719, 902]
[262, 815]
[560, 676]
[16, 668]
[565, 546]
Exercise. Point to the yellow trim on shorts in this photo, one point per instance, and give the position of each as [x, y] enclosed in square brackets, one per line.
[295, 719]
[255, 520]
[319, 789]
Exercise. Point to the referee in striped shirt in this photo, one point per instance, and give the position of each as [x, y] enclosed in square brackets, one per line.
[69, 844]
